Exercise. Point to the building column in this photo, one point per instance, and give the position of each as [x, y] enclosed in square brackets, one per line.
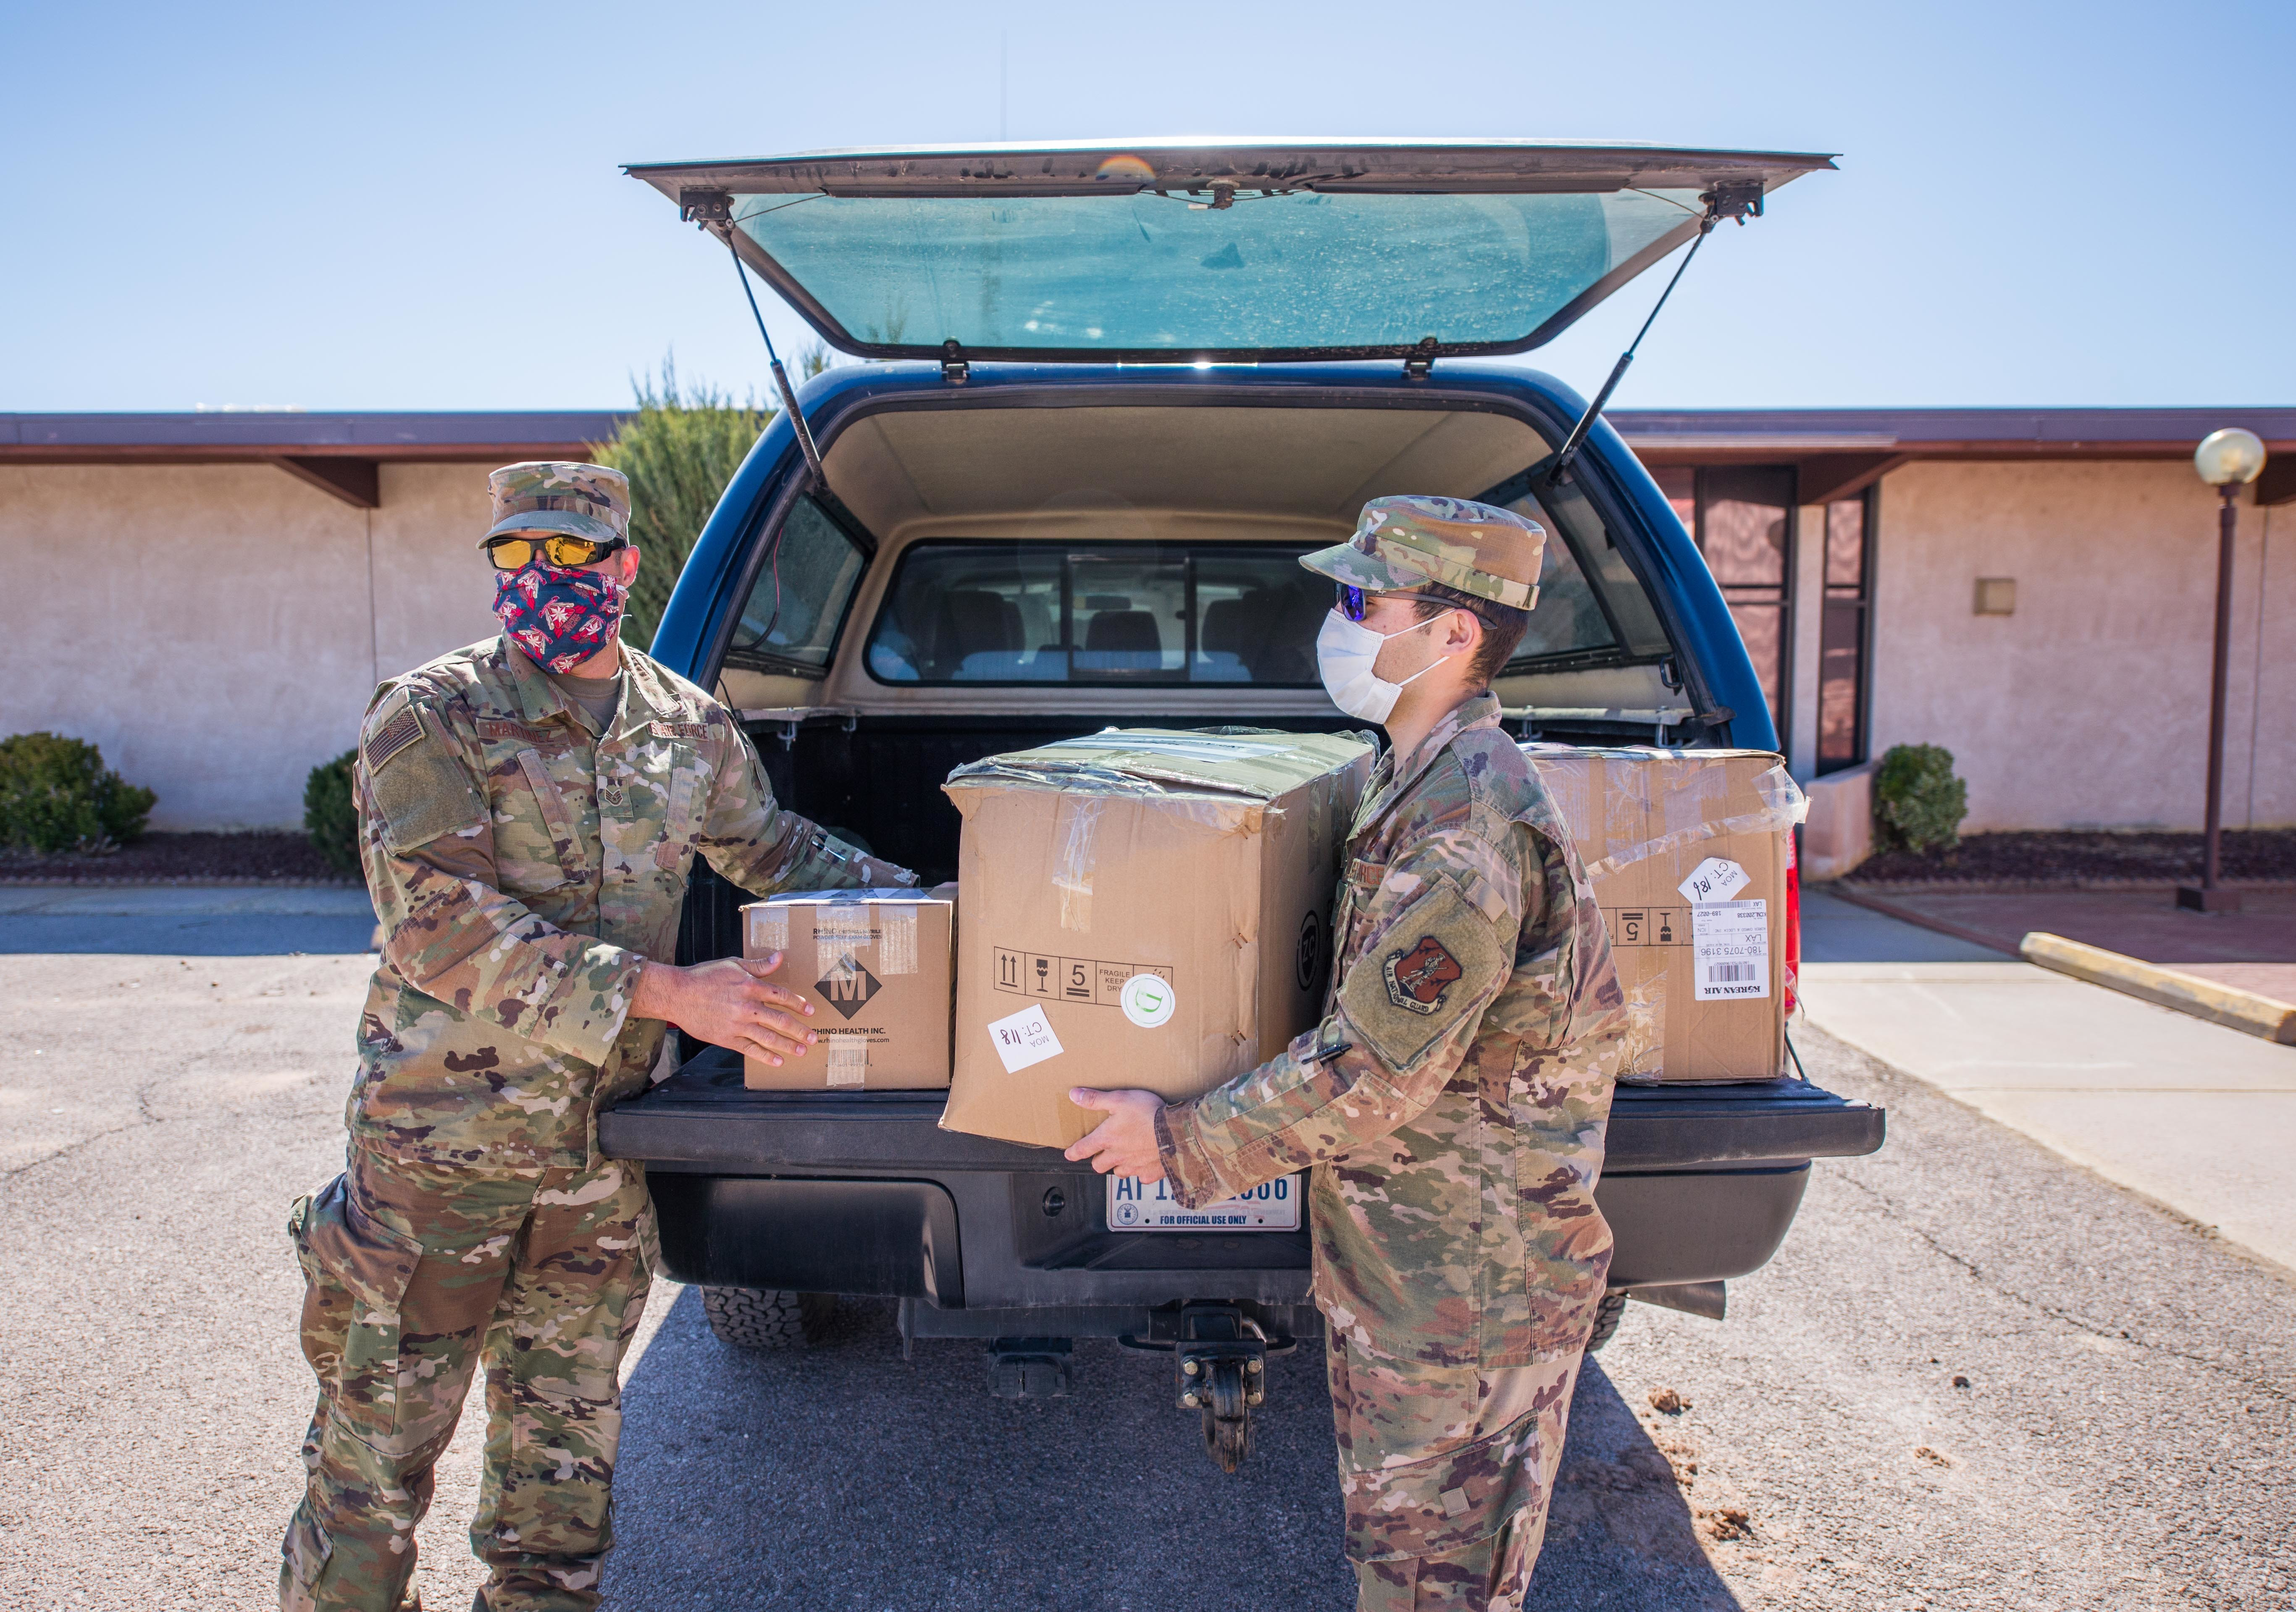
[1807, 615]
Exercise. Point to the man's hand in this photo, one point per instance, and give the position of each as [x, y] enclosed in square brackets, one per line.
[1125, 1142]
[727, 1003]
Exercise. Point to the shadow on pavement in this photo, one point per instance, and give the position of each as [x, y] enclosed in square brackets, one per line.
[845, 1477]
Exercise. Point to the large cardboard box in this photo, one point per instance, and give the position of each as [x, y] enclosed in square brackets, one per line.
[877, 965]
[1688, 852]
[1142, 909]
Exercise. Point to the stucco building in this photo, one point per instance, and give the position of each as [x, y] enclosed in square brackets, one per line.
[211, 597]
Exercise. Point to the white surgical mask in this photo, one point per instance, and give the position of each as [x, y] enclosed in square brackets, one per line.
[1345, 652]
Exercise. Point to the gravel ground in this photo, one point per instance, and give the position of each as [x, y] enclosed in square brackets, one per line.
[2071, 857]
[257, 856]
[1976, 1377]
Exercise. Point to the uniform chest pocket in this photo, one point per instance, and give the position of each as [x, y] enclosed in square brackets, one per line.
[682, 808]
[537, 845]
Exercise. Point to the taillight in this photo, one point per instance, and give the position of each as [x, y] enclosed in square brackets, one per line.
[1793, 920]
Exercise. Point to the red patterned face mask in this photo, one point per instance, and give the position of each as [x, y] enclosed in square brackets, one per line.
[560, 617]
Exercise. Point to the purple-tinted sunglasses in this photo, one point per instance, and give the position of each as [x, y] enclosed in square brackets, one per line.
[1354, 601]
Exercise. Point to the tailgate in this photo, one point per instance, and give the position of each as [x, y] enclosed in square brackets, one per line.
[702, 1119]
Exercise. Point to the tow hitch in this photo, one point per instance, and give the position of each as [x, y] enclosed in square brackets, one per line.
[1221, 1357]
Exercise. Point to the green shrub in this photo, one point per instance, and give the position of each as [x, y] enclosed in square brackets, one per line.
[330, 817]
[56, 794]
[1918, 803]
[678, 450]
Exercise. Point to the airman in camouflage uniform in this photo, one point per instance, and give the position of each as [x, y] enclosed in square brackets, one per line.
[527, 860]
[1451, 1108]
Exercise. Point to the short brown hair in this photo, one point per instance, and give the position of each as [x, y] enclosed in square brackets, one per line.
[1503, 625]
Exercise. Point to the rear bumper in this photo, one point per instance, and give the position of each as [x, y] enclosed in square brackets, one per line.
[865, 1193]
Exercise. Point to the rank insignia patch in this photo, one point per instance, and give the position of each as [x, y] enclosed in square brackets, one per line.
[1416, 979]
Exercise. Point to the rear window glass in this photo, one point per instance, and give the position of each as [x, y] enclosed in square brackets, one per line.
[1583, 619]
[989, 611]
[797, 603]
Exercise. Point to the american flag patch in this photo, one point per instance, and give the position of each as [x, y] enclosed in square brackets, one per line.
[683, 730]
[393, 737]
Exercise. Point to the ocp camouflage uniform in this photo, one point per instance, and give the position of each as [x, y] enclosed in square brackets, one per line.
[524, 863]
[1452, 1106]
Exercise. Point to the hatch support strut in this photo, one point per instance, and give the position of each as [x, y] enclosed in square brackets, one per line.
[1736, 199]
[713, 212]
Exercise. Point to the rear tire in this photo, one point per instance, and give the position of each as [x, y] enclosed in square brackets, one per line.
[1607, 1316]
[767, 1318]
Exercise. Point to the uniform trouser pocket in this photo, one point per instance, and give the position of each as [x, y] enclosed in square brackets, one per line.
[356, 1270]
[1435, 1459]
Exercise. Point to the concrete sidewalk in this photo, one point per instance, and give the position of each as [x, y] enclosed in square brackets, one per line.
[2192, 1115]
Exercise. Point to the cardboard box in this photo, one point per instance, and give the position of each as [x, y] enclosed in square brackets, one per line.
[1688, 852]
[877, 967]
[1143, 909]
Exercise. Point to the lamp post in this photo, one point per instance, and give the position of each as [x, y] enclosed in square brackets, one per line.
[2227, 460]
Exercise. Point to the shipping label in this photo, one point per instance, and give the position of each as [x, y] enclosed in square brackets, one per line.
[1730, 949]
[1023, 1038]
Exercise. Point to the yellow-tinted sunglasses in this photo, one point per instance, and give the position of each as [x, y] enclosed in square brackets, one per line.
[516, 553]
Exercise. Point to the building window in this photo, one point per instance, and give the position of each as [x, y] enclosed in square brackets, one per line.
[1742, 518]
[1843, 640]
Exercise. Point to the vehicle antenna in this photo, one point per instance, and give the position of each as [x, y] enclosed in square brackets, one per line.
[781, 378]
[1730, 200]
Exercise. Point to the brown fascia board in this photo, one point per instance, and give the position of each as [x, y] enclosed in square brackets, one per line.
[341, 454]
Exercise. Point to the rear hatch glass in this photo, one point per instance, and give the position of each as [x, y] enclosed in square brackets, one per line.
[1219, 250]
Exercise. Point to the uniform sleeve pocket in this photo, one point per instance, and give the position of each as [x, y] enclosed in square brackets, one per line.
[356, 1270]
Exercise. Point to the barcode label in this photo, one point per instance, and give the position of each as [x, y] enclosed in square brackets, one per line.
[1730, 949]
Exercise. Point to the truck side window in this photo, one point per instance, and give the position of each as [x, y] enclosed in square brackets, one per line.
[991, 611]
[797, 603]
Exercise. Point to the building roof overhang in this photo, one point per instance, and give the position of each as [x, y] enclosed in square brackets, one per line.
[340, 454]
[1842, 451]
[1838, 451]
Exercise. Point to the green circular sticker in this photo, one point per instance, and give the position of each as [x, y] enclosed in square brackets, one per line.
[1147, 1000]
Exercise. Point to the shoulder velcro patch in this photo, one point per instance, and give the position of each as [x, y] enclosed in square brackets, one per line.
[420, 789]
[1436, 960]
[398, 728]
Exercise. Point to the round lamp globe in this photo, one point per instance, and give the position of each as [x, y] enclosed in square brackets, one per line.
[2229, 457]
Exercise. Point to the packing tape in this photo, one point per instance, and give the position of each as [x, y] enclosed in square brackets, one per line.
[896, 940]
[1783, 806]
[849, 1059]
[839, 930]
[768, 929]
[1073, 837]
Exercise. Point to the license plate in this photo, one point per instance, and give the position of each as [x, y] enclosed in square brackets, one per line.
[1135, 1205]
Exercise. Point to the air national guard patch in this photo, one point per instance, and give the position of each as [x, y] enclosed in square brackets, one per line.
[1417, 978]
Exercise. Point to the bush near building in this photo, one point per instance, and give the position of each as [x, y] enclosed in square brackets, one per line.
[57, 796]
[1918, 802]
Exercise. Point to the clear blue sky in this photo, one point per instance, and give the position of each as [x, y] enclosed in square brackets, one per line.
[417, 206]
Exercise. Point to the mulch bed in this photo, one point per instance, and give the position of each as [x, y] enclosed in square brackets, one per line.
[2066, 857]
[259, 857]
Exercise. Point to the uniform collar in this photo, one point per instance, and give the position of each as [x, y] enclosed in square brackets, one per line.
[538, 699]
[1476, 711]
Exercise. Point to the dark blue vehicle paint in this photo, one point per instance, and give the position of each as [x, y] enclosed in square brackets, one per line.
[1681, 588]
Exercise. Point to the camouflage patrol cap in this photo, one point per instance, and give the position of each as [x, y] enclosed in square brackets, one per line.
[552, 495]
[1414, 539]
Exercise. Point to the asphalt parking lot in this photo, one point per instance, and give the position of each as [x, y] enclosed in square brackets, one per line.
[1977, 1376]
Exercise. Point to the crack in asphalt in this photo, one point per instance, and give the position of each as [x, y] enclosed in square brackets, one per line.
[1901, 1216]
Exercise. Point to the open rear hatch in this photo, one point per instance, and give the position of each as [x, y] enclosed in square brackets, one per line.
[1228, 250]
